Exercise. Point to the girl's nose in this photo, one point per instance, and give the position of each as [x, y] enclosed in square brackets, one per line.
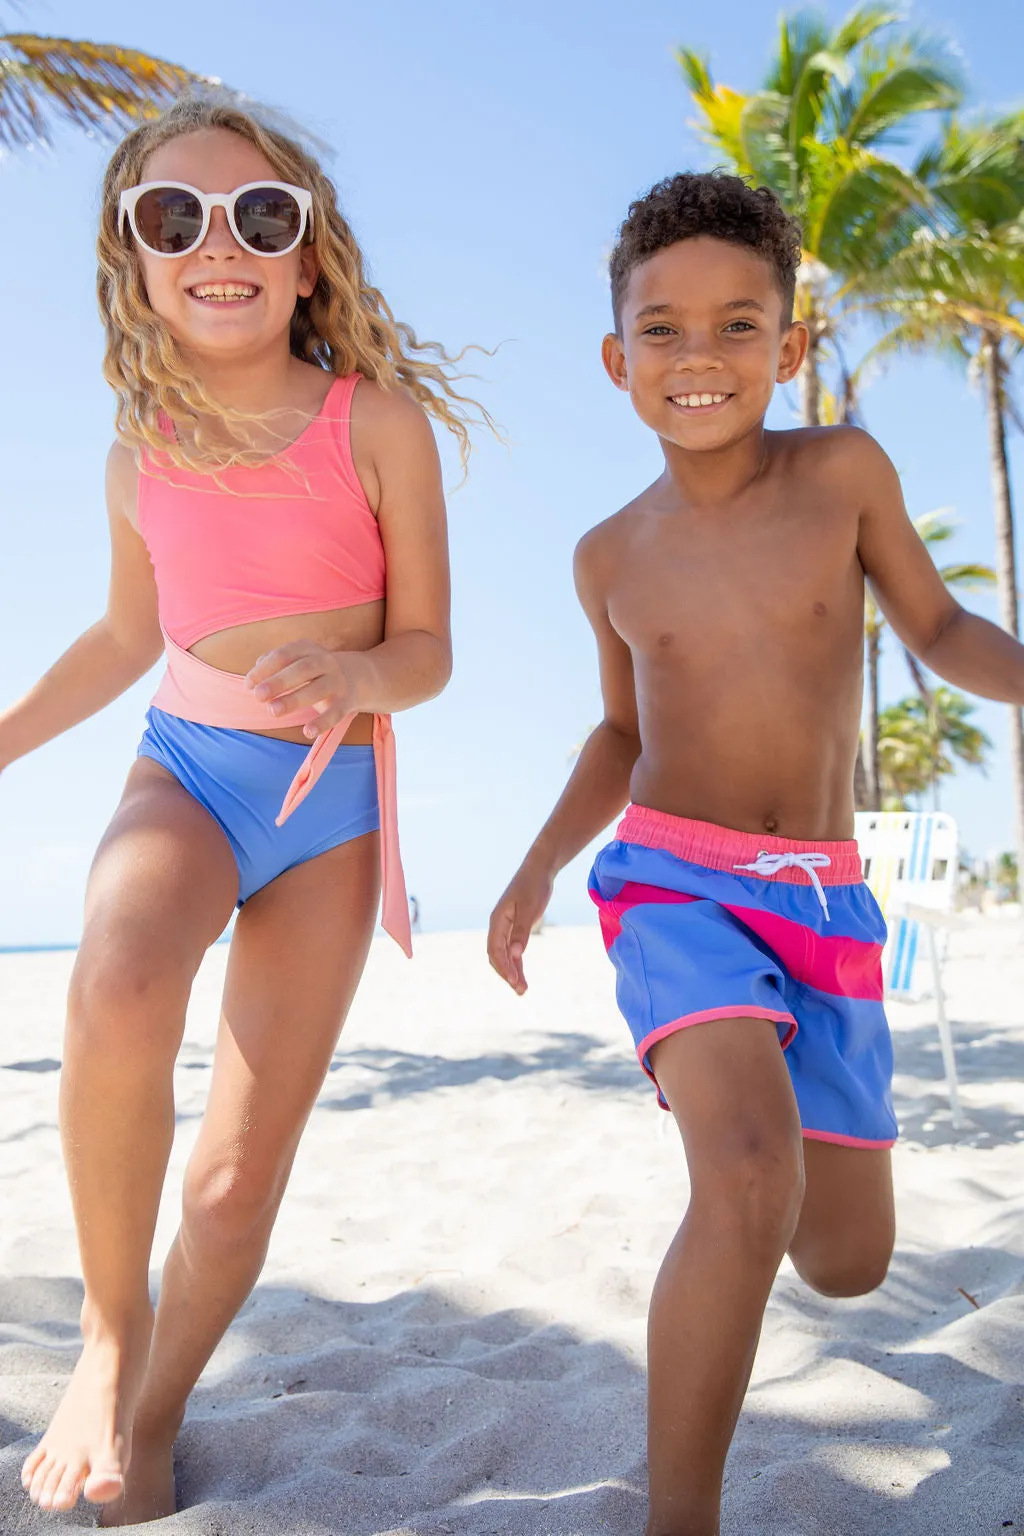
[219, 242]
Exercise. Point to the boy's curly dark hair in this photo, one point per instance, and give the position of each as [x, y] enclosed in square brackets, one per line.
[708, 203]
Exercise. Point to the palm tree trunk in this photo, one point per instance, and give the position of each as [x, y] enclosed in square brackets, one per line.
[810, 384]
[872, 774]
[1006, 561]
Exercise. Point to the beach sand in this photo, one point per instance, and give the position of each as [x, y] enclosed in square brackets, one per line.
[449, 1333]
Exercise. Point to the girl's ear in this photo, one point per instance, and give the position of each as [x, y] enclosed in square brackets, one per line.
[309, 271]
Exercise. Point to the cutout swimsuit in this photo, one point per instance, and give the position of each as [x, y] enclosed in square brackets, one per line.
[295, 535]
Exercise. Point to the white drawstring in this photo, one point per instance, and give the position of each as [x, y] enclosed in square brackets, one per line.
[810, 863]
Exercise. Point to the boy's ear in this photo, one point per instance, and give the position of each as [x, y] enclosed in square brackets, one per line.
[614, 358]
[792, 352]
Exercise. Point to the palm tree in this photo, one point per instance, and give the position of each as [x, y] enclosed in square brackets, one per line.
[959, 290]
[919, 741]
[816, 133]
[934, 528]
[97, 86]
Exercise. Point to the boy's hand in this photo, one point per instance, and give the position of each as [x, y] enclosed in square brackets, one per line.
[523, 904]
[305, 675]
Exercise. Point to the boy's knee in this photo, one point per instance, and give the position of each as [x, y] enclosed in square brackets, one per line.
[756, 1186]
[844, 1274]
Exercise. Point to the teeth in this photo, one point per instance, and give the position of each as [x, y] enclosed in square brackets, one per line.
[693, 401]
[221, 292]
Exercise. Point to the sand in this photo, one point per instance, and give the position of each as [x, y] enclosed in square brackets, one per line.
[449, 1333]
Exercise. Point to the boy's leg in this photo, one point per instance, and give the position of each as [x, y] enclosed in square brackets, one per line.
[297, 954]
[729, 1089]
[844, 1238]
[161, 888]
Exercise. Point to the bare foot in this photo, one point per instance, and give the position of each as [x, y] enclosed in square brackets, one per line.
[149, 1487]
[88, 1444]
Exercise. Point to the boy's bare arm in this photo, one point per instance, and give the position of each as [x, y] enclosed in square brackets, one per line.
[960, 646]
[598, 786]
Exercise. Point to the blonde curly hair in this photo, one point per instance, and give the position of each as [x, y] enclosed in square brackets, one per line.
[346, 326]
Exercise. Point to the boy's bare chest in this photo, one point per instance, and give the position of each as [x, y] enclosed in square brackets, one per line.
[791, 576]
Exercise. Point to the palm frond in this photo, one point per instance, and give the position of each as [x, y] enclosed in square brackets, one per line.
[801, 35]
[98, 86]
[936, 526]
[976, 173]
[861, 24]
[822, 71]
[720, 121]
[969, 577]
[893, 85]
[864, 209]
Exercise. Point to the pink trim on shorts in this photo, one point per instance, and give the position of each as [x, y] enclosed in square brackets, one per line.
[705, 1016]
[845, 1141]
[723, 848]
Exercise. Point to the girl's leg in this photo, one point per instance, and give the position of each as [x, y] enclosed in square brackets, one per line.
[844, 1238]
[161, 889]
[729, 1089]
[297, 954]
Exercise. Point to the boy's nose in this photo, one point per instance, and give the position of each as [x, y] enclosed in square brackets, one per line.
[698, 351]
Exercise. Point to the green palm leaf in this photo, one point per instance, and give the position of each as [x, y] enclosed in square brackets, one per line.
[892, 85]
[863, 24]
[97, 86]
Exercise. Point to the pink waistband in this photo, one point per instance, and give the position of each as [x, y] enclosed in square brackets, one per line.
[701, 842]
[193, 690]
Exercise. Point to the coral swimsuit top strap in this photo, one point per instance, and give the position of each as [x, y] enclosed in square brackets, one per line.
[189, 528]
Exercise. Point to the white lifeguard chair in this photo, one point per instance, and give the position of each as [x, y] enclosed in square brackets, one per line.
[911, 861]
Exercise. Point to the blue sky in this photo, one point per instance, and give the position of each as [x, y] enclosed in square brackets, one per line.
[485, 156]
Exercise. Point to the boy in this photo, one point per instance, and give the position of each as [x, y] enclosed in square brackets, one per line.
[727, 601]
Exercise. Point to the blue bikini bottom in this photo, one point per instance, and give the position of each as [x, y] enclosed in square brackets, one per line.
[240, 778]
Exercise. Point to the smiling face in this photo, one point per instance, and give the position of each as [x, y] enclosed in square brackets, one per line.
[703, 342]
[221, 300]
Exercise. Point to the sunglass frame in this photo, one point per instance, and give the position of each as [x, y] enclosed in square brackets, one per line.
[208, 201]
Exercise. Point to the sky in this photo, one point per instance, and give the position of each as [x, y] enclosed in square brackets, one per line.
[485, 157]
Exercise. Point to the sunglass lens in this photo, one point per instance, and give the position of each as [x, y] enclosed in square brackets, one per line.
[268, 219]
[168, 219]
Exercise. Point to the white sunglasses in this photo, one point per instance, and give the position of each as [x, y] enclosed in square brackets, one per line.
[170, 218]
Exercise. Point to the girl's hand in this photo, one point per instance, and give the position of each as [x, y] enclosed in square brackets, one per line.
[523, 904]
[304, 675]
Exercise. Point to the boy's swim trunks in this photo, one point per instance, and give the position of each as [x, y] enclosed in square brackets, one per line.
[704, 923]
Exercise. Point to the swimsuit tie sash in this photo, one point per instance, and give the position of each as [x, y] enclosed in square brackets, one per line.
[193, 690]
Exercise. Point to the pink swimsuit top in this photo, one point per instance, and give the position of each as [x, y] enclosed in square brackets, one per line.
[295, 535]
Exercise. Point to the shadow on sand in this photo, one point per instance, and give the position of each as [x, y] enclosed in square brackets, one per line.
[414, 1416]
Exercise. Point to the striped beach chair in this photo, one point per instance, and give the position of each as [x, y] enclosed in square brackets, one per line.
[911, 861]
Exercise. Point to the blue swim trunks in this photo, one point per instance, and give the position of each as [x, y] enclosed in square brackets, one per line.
[704, 923]
[241, 778]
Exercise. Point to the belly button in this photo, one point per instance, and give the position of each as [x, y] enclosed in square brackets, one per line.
[771, 823]
[821, 610]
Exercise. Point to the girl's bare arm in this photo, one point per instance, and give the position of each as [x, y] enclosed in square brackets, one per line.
[114, 653]
[414, 660]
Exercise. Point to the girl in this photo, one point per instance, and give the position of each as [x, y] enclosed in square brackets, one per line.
[277, 524]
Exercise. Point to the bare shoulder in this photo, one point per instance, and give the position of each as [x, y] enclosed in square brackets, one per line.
[386, 418]
[600, 552]
[122, 482]
[840, 458]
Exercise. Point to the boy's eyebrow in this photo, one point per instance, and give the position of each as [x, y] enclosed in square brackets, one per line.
[661, 309]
